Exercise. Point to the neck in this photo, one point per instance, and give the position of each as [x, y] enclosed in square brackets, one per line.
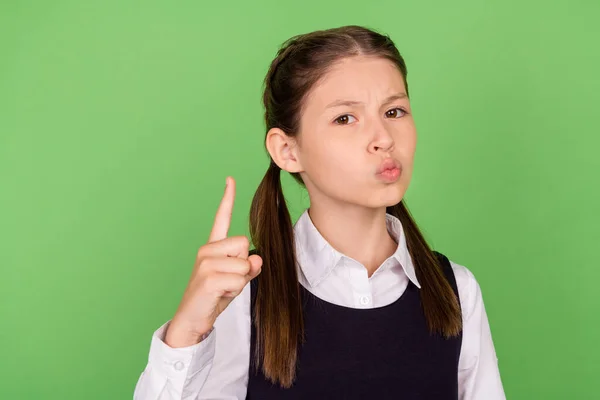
[357, 232]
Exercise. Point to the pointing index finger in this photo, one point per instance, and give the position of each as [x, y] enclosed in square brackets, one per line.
[223, 217]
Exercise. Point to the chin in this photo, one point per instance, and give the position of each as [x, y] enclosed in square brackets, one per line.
[395, 196]
[390, 196]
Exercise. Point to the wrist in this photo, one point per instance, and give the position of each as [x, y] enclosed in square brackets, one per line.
[178, 335]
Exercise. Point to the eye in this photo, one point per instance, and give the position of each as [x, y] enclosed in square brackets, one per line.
[395, 112]
[344, 119]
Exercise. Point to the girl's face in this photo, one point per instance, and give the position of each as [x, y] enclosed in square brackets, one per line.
[354, 118]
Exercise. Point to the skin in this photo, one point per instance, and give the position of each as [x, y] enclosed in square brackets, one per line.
[338, 150]
[337, 153]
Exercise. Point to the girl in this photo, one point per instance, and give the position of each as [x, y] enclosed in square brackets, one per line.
[350, 302]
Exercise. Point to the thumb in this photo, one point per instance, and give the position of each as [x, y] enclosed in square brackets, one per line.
[255, 265]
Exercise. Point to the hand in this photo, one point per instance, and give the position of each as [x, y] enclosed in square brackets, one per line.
[222, 270]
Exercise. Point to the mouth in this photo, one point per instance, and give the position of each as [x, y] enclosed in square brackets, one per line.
[388, 164]
[389, 170]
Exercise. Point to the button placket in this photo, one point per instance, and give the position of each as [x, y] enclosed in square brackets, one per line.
[178, 366]
[359, 282]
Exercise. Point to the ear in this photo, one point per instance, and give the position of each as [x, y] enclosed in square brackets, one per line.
[283, 150]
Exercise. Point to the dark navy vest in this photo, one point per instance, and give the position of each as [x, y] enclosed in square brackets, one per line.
[381, 353]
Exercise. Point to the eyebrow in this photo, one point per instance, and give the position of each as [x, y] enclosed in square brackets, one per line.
[339, 103]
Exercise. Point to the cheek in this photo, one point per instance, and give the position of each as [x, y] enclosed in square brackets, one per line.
[407, 146]
[341, 159]
[408, 154]
[329, 165]
[333, 164]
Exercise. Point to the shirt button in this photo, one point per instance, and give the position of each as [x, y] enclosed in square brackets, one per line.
[364, 300]
[178, 366]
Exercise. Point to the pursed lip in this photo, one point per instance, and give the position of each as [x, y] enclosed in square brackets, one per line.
[387, 164]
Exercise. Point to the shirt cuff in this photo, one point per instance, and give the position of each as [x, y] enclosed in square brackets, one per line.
[179, 364]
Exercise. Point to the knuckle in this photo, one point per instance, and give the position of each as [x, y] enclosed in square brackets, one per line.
[240, 265]
[201, 252]
[209, 282]
[247, 266]
[204, 263]
[210, 266]
[243, 241]
[240, 282]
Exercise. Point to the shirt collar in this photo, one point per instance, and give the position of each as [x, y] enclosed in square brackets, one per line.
[317, 258]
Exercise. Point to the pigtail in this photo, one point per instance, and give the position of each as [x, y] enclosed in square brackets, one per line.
[439, 302]
[277, 310]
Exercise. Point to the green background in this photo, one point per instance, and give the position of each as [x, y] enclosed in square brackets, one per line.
[119, 122]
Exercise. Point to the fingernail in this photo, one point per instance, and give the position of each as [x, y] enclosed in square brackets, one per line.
[226, 182]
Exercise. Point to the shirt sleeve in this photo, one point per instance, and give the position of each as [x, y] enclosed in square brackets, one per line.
[215, 368]
[478, 372]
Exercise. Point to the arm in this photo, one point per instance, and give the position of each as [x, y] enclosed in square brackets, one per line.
[215, 368]
[478, 372]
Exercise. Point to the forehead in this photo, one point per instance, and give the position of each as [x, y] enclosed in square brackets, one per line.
[360, 78]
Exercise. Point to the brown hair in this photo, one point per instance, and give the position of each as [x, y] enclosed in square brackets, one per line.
[300, 63]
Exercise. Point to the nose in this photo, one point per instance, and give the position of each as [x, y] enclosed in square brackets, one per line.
[382, 139]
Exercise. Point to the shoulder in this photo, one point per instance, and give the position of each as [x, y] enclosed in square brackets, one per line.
[468, 288]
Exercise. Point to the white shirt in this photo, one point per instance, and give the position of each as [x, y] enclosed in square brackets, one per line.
[217, 367]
